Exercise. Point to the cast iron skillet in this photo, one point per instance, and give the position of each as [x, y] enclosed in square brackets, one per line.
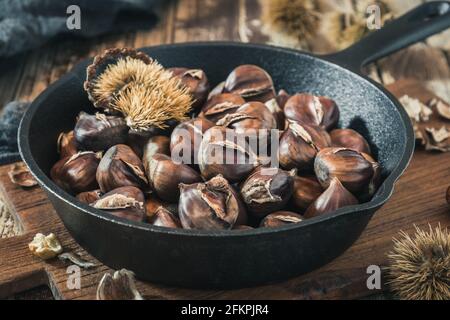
[230, 259]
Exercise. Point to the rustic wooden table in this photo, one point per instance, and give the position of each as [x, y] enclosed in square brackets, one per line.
[419, 196]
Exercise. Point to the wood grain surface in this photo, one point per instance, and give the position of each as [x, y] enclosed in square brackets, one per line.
[418, 197]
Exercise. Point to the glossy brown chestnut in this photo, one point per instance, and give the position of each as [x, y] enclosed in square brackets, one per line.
[220, 105]
[299, 145]
[197, 83]
[99, 132]
[76, 173]
[242, 227]
[267, 190]
[89, 196]
[120, 167]
[154, 145]
[164, 176]
[213, 205]
[165, 218]
[352, 169]
[66, 144]
[282, 98]
[251, 82]
[306, 191]
[124, 202]
[280, 218]
[152, 203]
[222, 152]
[375, 181]
[277, 113]
[312, 110]
[186, 139]
[218, 89]
[334, 197]
[349, 138]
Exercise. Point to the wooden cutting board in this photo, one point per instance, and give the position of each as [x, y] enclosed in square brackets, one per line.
[419, 199]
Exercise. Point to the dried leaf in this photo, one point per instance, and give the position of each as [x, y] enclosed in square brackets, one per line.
[45, 247]
[20, 175]
[76, 259]
[120, 286]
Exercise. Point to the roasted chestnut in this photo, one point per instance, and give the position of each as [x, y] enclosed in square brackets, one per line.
[164, 176]
[352, 169]
[349, 138]
[165, 218]
[222, 152]
[220, 105]
[306, 191]
[334, 197]
[277, 112]
[243, 227]
[213, 205]
[218, 89]
[299, 145]
[374, 182]
[312, 110]
[66, 144]
[152, 203]
[282, 97]
[89, 196]
[251, 82]
[76, 174]
[186, 139]
[99, 132]
[124, 202]
[280, 218]
[120, 167]
[267, 190]
[154, 145]
[196, 81]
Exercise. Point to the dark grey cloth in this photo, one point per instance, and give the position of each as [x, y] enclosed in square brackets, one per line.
[26, 24]
[9, 122]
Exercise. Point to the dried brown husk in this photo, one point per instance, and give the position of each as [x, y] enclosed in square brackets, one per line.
[21, 176]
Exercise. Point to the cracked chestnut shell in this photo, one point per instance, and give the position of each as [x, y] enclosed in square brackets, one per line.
[267, 190]
[334, 197]
[220, 105]
[282, 97]
[120, 167]
[312, 110]
[280, 218]
[66, 144]
[352, 169]
[213, 205]
[89, 196]
[299, 145]
[152, 203]
[251, 82]
[76, 173]
[221, 152]
[349, 138]
[99, 132]
[196, 81]
[124, 202]
[186, 139]
[164, 176]
[165, 218]
[306, 191]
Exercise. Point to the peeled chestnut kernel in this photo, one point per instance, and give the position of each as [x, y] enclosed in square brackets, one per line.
[99, 132]
[186, 139]
[349, 138]
[299, 145]
[251, 82]
[154, 145]
[220, 105]
[120, 167]
[213, 205]
[66, 144]
[221, 152]
[352, 169]
[280, 218]
[164, 176]
[152, 203]
[76, 174]
[89, 196]
[196, 81]
[165, 218]
[124, 202]
[306, 191]
[267, 190]
[312, 110]
[334, 197]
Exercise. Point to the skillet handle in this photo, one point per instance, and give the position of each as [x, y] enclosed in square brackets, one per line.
[416, 25]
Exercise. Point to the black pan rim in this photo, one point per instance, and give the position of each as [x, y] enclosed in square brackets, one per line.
[382, 196]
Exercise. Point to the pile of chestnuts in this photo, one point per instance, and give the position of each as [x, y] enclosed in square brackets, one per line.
[133, 174]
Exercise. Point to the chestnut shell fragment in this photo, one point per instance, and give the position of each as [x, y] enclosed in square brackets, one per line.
[280, 218]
